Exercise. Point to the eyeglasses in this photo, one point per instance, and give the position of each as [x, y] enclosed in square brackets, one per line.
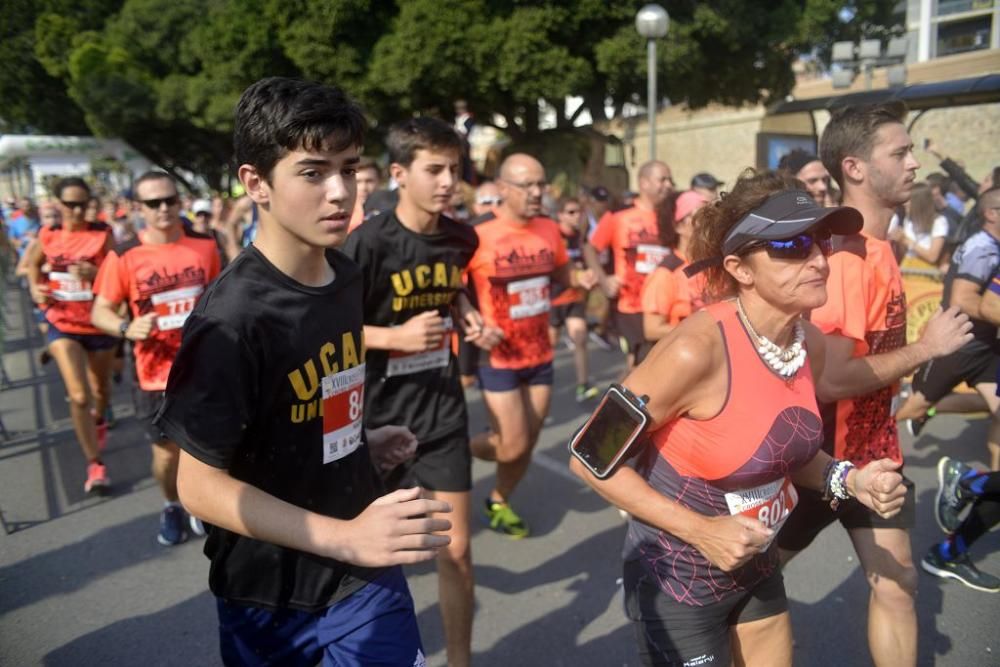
[157, 203]
[488, 201]
[541, 185]
[74, 205]
[796, 248]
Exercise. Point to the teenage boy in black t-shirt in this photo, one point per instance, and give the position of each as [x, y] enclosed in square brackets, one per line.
[266, 399]
[412, 260]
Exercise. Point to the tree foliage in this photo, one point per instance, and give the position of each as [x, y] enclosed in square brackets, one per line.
[165, 74]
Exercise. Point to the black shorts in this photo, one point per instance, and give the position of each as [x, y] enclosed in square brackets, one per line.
[629, 327]
[147, 404]
[813, 514]
[509, 379]
[672, 633]
[559, 314]
[938, 377]
[441, 464]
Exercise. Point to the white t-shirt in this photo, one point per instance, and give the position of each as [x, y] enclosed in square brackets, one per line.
[921, 240]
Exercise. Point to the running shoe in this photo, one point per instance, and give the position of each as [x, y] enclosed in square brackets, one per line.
[915, 426]
[950, 502]
[585, 392]
[172, 530]
[504, 519]
[102, 434]
[197, 527]
[97, 479]
[599, 340]
[960, 568]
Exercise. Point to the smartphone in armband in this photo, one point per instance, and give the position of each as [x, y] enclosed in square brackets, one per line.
[606, 437]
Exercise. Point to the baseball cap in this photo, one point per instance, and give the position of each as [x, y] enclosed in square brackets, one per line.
[600, 193]
[783, 215]
[705, 180]
[201, 206]
[687, 203]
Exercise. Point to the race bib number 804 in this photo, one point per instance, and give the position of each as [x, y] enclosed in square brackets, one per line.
[343, 412]
[768, 503]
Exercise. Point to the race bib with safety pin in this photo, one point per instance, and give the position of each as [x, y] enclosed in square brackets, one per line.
[528, 297]
[173, 307]
[406, 363]
[67, 287]
[343, 410]
[649, 256]
[768, 503]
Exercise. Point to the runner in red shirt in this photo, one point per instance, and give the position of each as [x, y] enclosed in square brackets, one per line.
[520, 253]
[869, 153]
[161, 275]
[61, 267]
[634, 238]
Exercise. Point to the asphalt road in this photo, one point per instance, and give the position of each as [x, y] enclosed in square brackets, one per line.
[83, 581]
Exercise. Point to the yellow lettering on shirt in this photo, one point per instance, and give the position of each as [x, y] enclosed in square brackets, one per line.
[305, 380]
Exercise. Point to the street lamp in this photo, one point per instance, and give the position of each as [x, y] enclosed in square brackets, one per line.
[652, 22]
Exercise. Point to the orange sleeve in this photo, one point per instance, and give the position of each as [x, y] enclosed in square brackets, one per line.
[215, 268]
[605, 232]
[561, 256]
[111, 281]
[658, 292]
[845, 310]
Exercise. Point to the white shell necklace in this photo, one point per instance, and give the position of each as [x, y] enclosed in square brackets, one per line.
[786, 362]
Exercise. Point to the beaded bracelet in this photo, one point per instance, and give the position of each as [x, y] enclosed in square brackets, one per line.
[836, 483]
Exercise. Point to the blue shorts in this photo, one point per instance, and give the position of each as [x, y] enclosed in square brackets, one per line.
[90, 342]
[376, 625]
[509, 379]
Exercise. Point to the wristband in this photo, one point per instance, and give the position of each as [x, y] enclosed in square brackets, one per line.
[122, 328]
[836, 483]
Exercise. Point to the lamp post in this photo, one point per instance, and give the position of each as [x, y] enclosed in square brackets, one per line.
[652, 22]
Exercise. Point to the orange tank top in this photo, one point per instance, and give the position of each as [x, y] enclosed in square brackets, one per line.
[737, 462]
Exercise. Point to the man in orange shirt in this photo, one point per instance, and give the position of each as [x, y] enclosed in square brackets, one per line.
[633, 236]
[520, 253]
[869, 153]
[161, 276]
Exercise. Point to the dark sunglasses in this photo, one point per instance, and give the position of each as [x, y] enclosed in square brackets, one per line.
[73, 205]
[157, 203]
[798, 247]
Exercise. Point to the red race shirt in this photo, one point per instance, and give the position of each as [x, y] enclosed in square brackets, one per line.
[71, 299]
[512, 273]
[865, 302]
[634, 238]
[167, 279]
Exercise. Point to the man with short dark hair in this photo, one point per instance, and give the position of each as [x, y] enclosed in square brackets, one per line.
[412, 260]
[706, 185]
[266, 401]
[809, 169]
[160, 275]
[868, 151]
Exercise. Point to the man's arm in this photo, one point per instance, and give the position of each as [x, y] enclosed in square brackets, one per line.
[105, 316]
[989, 305]
[391, 531]
[845, 375]
[420, 333]
[965, 294]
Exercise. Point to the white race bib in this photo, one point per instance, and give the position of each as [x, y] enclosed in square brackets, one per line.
[343, 411]
[769, 503]
[649, 256]
[406, 363]
[67, 287]
[528, 297]
[173, 307]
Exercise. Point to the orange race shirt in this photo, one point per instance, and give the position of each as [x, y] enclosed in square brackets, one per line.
[633, 237]
[670, 293]
[512, 274]
[866, 303]
[70, 299]
[167, 279]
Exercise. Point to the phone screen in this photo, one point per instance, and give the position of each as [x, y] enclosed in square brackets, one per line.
[612, 429]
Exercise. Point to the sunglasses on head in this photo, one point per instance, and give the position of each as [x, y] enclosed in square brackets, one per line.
[157, 203]
[73, 205]
[798, 247]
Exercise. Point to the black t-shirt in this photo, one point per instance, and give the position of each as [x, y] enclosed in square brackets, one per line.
[405, 274]
[268, 385]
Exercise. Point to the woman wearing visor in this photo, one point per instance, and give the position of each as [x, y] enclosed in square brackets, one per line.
[732, 429]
